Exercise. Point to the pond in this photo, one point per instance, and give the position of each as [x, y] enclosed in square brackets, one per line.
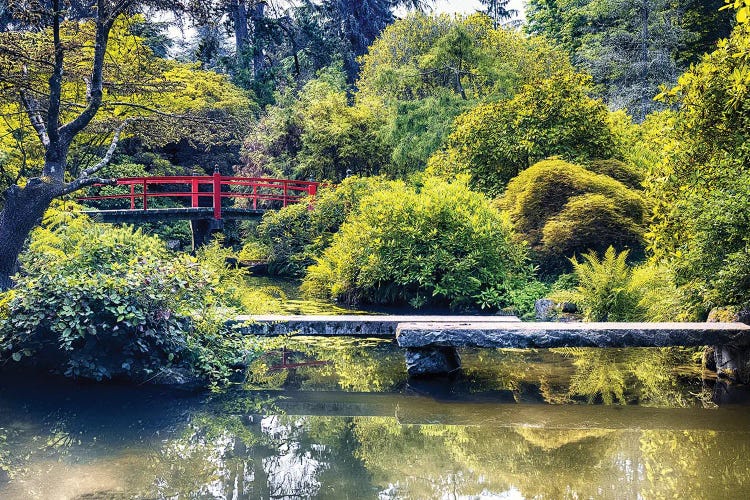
[339, 419]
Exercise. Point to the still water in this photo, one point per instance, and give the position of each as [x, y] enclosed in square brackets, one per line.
[339, 420]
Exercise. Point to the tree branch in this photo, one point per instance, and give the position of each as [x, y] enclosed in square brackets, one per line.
[32, 111]
[82, 183]
[55, 79]
[104, 21]
[108, 155]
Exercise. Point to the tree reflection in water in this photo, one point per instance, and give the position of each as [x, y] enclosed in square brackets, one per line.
[90, 440]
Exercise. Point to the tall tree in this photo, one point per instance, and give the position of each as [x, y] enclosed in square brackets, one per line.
[55, 72]
[632, 51]
[630, 47]
[498, 10]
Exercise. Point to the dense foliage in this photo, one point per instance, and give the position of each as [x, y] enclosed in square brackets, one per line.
[440, 245]
[447, 105]
[631, 48]
[200, 105]
[425, 55]
[608, 289]
[297, 234]
[562, 209]
[495, 142]
[318, 135]
[99, 302]
[701, 187]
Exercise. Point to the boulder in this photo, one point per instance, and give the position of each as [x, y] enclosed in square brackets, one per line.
[431, 361]
[550, 310]
[729, 314]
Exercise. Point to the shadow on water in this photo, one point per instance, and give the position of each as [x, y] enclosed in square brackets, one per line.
[633, 423]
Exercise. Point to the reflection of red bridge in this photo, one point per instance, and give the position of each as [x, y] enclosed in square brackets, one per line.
[206, 201]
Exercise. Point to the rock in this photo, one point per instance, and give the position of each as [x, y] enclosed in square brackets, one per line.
[569, 307]
[549, 310]
[729, 314]
[546, 335]
[733, 363]
[430, 361]
[545, 310]
[174, 244]
[180, 378]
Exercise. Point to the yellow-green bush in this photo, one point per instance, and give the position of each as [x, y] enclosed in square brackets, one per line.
[608, 289]
[296, 235]
[562, 209]
[495, 141]
[629, 175]
[590, 222]
[442, 245]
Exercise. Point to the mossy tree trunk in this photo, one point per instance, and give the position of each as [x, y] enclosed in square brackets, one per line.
[44, 107]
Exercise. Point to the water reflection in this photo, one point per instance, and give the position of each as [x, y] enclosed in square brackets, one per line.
[355, 427]
[665, 377]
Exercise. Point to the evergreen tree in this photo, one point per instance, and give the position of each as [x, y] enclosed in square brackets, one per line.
[630, 47]
[498, 10]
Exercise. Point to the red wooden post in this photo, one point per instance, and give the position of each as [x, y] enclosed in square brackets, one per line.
[312, 190]
[194, 192]
[132, 197]
[255, 197]
[217, 194]
[285, 192]
[145, 200]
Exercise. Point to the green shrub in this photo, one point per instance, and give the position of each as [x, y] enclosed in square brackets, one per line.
[603, 292]
[254, 251]
[493, 142]
[562, 209]
[608, 289]
[590, 222]
[295, 235]
[629, 175]
[104, 302]
[443, 245]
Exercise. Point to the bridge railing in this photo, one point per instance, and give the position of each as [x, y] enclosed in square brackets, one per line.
[209, 191]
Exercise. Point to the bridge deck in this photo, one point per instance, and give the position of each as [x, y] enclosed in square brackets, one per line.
[546, 335]
[353, 325]
[171, 214]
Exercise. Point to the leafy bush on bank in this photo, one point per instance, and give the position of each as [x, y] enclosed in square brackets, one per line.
[443, 245]
[297, 234]
[562, 209]
[102, 302]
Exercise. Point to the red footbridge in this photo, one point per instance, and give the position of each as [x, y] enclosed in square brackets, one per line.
[206, 201]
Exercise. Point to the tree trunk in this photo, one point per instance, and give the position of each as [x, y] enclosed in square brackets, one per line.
[24, 208]
[645, 99]
[258, 15]
[239, 18]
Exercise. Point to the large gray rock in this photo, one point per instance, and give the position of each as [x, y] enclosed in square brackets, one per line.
[732, 363]
[545, 310]
[431, 361]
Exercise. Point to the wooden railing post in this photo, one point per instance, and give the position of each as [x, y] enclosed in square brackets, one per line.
[255, 196]
[217, 194]
[285, 191]
[194, 186]
[145, 198]
[132, 197]
[312, 190]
